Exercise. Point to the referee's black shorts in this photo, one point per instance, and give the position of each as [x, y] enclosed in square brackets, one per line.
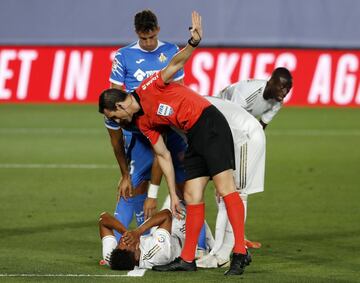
[210, 146]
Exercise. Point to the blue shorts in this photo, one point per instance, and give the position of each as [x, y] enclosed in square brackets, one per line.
[126, 209]
[140, 156]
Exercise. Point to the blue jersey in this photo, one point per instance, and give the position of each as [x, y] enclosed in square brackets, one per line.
[132, 64]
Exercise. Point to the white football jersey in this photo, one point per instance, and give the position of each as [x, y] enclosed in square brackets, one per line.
[159, 248]
[239, 120]
[249, 94]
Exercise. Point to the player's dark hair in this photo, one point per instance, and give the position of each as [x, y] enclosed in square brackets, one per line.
[122, 260]
[285, 74]
[109, 97]
[145, 21]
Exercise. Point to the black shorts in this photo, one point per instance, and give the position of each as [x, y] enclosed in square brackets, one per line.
[210, 146]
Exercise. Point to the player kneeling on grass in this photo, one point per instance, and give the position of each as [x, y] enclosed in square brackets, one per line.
[161, 246]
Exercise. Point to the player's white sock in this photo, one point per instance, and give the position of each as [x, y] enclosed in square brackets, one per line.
[210, 241]
[221, 221]
[244, 198]
[227, 244]
[109, 243]
[166, 204]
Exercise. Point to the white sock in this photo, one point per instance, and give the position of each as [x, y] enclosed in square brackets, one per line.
[209, 237]
[244, 198]
[228, 242]
[221, 221]
[109, 243]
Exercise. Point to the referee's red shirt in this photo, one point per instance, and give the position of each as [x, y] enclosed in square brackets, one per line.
[167, 105]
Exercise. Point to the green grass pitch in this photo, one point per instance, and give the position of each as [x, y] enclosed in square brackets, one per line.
[308, 218]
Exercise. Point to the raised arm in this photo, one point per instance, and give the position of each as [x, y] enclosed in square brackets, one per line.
[179, 60]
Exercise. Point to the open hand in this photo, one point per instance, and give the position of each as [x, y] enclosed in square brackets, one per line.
[131, 237]
[125, 188]
[196, 28]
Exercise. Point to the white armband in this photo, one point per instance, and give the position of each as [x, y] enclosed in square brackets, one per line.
[153, 191]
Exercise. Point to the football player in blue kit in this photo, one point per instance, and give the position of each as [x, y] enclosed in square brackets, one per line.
[131, 65]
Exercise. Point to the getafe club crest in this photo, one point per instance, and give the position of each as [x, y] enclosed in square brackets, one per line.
[164, 110]
[162, 57]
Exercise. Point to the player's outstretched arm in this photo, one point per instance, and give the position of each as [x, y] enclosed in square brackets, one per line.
[179, 60]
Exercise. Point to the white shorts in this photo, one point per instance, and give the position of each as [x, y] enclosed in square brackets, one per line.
[249, 143]
[250, 160]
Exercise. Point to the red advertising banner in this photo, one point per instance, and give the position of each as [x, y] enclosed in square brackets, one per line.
[69, 74]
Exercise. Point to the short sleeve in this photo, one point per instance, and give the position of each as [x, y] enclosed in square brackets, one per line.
[111, 124]
[270, 114]
[144, 127]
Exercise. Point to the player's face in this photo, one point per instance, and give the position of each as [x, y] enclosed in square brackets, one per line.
[123, 114]
[280, 89]
[148, 40]
[120, 116]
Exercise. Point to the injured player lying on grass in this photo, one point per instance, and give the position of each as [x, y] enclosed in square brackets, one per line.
[161, 246]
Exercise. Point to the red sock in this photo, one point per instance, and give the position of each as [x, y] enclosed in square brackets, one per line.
[235, 212]
[195, 216]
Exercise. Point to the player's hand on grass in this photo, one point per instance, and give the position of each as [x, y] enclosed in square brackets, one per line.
[150, 205]
[131, 237]
[196, 28]
[175, 206]
[125, 188]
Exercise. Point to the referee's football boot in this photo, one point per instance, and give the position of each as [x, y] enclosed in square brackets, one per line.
[238, 263]
[178, 264]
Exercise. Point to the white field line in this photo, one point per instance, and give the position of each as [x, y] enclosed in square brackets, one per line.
[68, 275]
[82, 131]
[314, 132]
[51, 131]
[55, 166]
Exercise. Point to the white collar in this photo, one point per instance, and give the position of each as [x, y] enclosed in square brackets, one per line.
[137, 46]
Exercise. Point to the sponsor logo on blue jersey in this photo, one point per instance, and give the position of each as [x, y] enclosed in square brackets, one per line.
[140, 61]
[140, 75]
